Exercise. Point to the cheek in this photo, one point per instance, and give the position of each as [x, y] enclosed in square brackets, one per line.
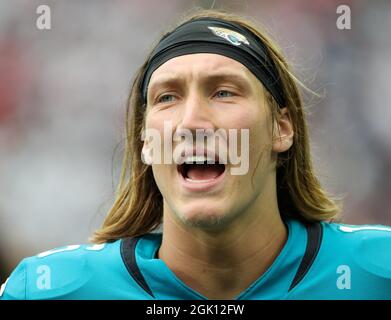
[159, 129]
[257, 122]
[162, 177]
[154, 120]
[242, 118]
[246, 116]
[260, 140]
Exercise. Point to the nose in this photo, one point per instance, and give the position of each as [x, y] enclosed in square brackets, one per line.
[196, 113]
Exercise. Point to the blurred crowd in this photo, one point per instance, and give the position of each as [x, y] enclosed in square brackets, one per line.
[63, 93]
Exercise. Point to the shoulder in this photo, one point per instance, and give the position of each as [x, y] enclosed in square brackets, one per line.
[369, 246]
[356, 234]
[57, 272]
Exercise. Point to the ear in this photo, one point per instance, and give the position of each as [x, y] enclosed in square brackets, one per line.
[283, 133]
[146, 156]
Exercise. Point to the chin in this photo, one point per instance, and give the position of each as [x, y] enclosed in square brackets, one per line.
[204, 217]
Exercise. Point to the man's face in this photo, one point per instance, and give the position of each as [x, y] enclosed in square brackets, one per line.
[214, 92]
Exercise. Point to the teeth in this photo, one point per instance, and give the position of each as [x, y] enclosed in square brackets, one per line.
[198, 181]
[198, 159]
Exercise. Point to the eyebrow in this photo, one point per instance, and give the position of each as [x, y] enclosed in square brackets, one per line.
[211, 78]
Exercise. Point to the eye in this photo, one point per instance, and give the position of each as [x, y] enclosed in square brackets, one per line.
[224, 94]
[166, 98]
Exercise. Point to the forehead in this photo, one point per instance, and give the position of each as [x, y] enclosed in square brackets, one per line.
[199, 65]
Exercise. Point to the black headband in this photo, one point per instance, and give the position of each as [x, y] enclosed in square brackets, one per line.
[209, 35]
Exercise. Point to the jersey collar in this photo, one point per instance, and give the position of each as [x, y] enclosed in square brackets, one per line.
[159, 282]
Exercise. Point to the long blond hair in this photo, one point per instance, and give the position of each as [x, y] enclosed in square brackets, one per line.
[138, 206]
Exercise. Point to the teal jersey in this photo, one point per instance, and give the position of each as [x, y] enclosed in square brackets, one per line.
[318, 261]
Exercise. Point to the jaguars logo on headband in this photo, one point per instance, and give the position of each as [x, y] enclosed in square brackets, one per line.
[232, 36]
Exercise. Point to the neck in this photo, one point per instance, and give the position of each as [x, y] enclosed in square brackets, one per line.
[221, 264]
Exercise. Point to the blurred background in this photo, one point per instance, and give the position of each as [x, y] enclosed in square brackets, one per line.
[63, 94]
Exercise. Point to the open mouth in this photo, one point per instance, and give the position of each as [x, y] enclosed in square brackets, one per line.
[200, 172]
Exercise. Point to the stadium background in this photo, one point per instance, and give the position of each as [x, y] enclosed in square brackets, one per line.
[63, 93]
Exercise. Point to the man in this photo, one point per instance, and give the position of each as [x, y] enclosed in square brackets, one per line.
[265, 232]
